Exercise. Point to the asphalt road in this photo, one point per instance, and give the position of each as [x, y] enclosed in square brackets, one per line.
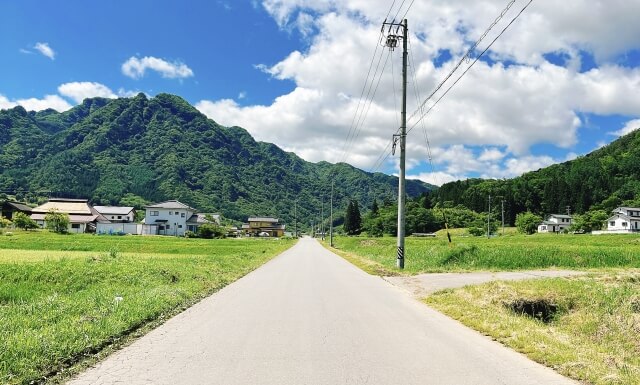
[309, 317]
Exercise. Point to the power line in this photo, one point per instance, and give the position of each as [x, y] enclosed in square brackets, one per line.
[467, 55]
[424, 114]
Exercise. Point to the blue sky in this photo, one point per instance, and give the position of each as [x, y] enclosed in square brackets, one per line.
[561, 82]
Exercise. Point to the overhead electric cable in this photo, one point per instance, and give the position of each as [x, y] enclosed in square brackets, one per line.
[424, 114]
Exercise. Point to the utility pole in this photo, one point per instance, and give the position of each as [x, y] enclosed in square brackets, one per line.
[392, 42]
[331, 218]
[322, 218]
[489, 219]
[503, 216]
[569, 210]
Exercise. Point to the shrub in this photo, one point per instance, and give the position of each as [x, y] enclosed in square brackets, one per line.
[528, 222]
[57, 222]
[23, 221]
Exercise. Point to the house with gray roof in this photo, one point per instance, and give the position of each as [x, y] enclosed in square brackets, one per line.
[624, 219]
[555, 223]
[171, 217]
[117, 214]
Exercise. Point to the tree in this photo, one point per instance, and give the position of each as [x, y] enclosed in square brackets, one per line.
[4, 222]
[374, 208]
[57, 222]
[211, 230]
[528, 222]
[590, 221]
[23, 221]
[352, 219]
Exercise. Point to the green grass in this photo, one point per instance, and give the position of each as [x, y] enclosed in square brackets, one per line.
[67, 297]
[511, 252]
[593, 337]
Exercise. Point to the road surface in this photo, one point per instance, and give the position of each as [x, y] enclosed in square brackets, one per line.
[424, 284]
[310, 317]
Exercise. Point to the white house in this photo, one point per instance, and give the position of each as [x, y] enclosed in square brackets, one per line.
[82, 216]
[170, 217]
[555, 223]
[624, 219]
[117, 214]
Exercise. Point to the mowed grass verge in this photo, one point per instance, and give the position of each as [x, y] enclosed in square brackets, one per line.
[586, 328]
[511, 252]
[67, 297]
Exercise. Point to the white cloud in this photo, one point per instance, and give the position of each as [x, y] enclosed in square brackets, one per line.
[631, 126]
[35, 104]
[437, 178]
[78, 91]
[505, 108]
[44, 49]
[135, 68]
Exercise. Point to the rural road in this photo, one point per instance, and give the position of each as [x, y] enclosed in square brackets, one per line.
[309, 317]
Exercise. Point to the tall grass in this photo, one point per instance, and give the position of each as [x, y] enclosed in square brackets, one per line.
[55, 311]
[517, 252]
[593, 337]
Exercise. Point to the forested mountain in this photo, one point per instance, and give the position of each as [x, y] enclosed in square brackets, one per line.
[135, 150]
[602, 180]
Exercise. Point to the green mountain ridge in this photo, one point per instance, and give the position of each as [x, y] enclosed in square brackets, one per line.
[601, 180]
[136, 150]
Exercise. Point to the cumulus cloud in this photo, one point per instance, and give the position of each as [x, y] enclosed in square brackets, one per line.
[78, 91]
[45, 50]
[628, 128]
[34, 104]
[135, 68]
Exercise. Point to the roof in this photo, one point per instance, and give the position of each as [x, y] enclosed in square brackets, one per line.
[560, 216]
[68, 206]
[19, 206]
[621, 216]
[72, 218]
[618, 209]
[201, 219]
[262, 219]
[172, 204]
[116, 210]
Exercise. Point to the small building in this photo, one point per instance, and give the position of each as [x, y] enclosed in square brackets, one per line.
[116, 214]
[263, 227]
[555, 223]
[198, 220]
[170, 217]
[624, 219]
[83, 218]
[9, 208]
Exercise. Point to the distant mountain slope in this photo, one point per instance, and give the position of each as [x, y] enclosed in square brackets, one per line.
[135, 149]
[604, 179]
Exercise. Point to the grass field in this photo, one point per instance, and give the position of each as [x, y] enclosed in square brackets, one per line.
[511, 252]
[67, 297]
[591, 333]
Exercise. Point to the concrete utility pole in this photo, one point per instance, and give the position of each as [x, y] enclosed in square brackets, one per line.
[322, 218]
[331, 218]
[489, 219]
[392, 42]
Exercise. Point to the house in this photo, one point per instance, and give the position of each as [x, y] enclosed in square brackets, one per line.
[170, 217]
[198, 220]
[263, 227]
[555, 223]
[624, 219]
[9, 208]
[83, 218]
[117, 214]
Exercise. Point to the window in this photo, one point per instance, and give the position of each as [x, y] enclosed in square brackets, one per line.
[154, 213]
[179, 226]
[168, 227]
[75, 226]
[112, 217]
[181, 215]
[612, 223]
[170, 212]
[624, 224]
[119, 216]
